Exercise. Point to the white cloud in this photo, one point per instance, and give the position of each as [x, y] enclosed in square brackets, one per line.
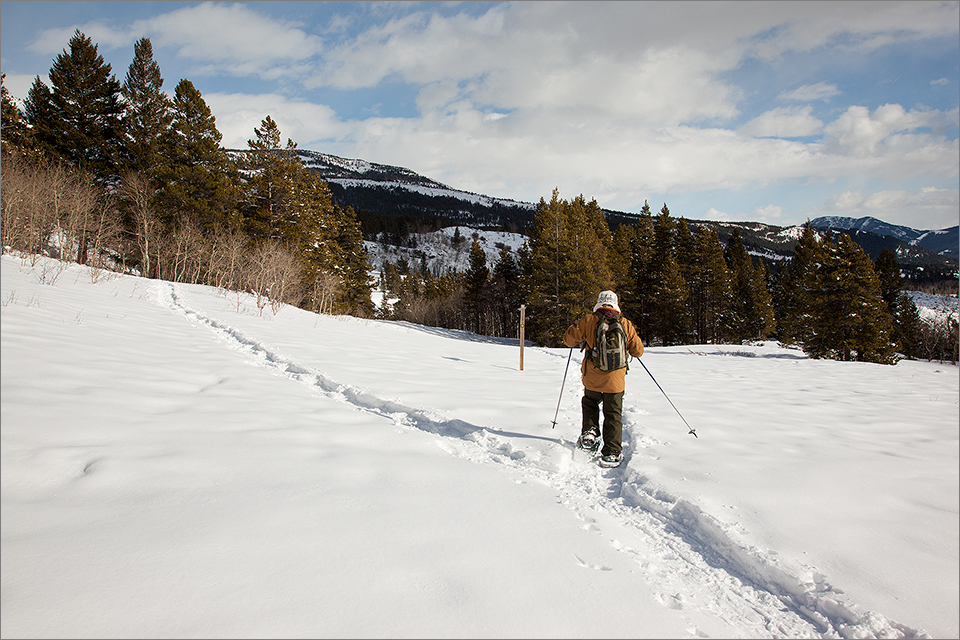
[853, 26]
[234, 39]
[859, 133]
[53, 42]
[237, 115]
[612, 100]
[811, 92]
[19, 84]
[783, 122]
[770, 214]
[713, 214]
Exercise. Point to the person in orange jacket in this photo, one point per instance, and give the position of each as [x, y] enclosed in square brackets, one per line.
[602, 387]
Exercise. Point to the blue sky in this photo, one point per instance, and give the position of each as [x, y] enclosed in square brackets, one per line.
[763, 111]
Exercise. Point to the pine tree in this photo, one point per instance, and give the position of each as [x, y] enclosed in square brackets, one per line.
[567, 265]
[640, 306]
[764, 318]
[271, 172]
[850, 317]
[477, 288]
[195, 178]
[710, 287]
[686, 260]
[329, 242]
[670, 294]
[149, 111]
[355, 272]
[907, 327]
[546, 264]
[506, 293]
[619, 258]
[797, 289]
[752, 315]
[668, 289]
[589, 241]
[80, 120]
[286, 203]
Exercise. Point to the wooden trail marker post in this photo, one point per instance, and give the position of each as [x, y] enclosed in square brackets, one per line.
[523, 308]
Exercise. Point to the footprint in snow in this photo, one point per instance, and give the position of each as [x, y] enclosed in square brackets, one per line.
[588, 565]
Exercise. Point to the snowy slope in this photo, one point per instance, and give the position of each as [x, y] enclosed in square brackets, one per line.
[934, 309]
[176, 465]
[440, 253]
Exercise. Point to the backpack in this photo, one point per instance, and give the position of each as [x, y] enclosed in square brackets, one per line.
[610, 350]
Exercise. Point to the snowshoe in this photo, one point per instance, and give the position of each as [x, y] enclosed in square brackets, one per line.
[611, 460]
[589, 441]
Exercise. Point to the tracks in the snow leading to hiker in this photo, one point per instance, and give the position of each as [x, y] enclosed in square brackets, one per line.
[689, 558]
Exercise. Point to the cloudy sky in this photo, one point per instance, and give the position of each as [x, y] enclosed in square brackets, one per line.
[765, 111]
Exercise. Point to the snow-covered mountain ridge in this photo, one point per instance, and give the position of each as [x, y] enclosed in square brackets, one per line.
[941, 241]
[355, 173]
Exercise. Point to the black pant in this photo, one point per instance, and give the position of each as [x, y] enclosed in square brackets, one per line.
[612, 418]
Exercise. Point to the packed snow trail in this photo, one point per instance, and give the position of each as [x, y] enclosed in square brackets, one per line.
[689, 558]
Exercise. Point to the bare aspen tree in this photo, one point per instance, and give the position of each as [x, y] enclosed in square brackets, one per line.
[324, 290]
[79, 213]
[14, 193]
[104, 237]
[135, 189]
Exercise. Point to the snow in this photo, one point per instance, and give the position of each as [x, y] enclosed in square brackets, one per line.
[175, 464]
[935, 309]
[791, 233]
[439, 251]
[434, 192]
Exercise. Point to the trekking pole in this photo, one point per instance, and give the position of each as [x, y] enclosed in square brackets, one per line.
[692, 430]
[562, 385]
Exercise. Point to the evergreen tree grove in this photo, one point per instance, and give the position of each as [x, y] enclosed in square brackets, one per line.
[850, 321]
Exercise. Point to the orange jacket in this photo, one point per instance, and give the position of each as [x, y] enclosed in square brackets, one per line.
[594, 379]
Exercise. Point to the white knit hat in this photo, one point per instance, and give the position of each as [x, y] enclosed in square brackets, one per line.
[607, 299]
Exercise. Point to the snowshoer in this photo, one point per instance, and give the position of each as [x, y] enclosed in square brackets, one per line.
[602, 387]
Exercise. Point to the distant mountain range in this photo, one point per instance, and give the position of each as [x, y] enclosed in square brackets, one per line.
[945, 242]
[391, 191]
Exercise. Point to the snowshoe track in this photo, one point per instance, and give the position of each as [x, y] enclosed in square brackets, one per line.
[688, 557]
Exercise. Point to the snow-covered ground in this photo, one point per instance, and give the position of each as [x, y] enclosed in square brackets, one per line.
[176, 465]
[934, 309]
[441, 253]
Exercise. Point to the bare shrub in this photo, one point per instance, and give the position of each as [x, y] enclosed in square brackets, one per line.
[182, 251]
[27, 206]
[940, 339]
[272, 274]
[227, 249]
